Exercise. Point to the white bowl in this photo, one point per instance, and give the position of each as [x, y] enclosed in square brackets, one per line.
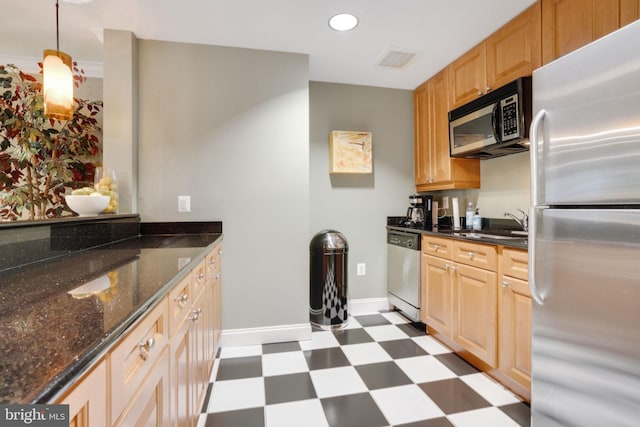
[87, 205]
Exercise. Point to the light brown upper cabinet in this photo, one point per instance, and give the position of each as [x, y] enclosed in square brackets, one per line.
[511, 52]
[570, 24]
[434, 169]
[629, 11]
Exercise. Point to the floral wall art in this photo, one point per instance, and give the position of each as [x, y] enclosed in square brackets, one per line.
[42, 158]
[350, 152]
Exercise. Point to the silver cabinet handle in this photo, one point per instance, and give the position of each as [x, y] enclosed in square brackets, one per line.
[504, 284]
[200, 276]
[471, 254]
[479, 93]
[453, 268]
[488, 89]
[182, 299]
[212, 261]
[196, 315]
[436, 247]
[145, 348]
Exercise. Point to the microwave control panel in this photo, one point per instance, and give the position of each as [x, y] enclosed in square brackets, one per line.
[510, 119]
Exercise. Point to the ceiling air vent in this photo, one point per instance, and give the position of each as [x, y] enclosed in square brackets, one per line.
[396, 59]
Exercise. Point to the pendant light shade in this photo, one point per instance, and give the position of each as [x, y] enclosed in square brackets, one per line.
[57, 81]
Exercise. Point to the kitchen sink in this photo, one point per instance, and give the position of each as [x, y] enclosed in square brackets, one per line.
[480, 236]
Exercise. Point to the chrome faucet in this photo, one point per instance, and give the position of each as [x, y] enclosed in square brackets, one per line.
[522, 222]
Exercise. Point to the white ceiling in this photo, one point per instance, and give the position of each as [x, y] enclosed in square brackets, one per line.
[437, 31]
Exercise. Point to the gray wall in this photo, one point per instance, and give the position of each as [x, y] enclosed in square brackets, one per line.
[357, 205]
[230, 128]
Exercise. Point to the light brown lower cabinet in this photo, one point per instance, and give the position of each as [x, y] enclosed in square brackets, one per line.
[459, 285]
[88, 400]
[476, 300]
[157, 374]
[514, 315]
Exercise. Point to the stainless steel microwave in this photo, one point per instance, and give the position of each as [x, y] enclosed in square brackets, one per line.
[493, 125]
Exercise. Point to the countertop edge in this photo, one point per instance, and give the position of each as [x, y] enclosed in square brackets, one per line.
[517, 244]
[64, 381]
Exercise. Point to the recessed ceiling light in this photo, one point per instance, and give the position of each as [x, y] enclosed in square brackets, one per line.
[343, 22]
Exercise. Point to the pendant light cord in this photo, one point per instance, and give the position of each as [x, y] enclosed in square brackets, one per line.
[57, 29]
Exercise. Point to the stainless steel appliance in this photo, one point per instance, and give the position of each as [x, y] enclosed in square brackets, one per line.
[493, 125]
[403, 272]
[585, 236]
[419, 211]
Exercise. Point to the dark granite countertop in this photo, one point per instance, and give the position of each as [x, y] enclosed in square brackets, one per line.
[60, 315]
[507, 240]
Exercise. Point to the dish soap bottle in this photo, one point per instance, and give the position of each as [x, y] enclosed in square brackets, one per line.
[477, 221]
[468, 223]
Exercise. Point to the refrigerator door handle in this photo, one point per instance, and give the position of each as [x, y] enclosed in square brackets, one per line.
[536, 124]
[532, 257]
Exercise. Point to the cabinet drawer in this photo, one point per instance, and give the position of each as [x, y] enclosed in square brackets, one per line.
[477, 255]
[180, 300]
[134, 357]
[198, 277]
[515, 263]
[437, 246]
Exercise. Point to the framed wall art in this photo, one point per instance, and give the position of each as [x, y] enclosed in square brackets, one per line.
[350, 152]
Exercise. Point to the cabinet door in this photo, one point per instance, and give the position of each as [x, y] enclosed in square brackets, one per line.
[150, 405]
[439, 111]
[198, 357]
[88, 400]
[181, 376]
[629, 11]
[515, 50]
[475, 323]
[467, 77]
[570, 24]
[515, 330]
[422, 154]
[436, 295]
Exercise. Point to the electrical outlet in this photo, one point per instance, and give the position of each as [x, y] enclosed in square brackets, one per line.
[445, 202]
[184, 203]
[361, 269]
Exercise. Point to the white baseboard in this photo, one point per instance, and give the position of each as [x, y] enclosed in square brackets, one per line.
[367, 305]
[266, 335]
[295, 332]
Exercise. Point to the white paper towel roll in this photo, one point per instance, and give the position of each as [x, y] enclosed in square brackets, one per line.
[434, 214]
[456, 213]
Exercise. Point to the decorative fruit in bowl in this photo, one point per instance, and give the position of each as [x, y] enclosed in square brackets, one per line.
[87, 205]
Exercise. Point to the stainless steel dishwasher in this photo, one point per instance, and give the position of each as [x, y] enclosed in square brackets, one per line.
[403, 272]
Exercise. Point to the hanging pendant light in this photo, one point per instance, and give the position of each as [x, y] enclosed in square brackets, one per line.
[57, 81]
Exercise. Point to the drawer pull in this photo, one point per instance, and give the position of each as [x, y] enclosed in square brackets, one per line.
[471, 254]
[212, 261]
[200, 276]
[504, 284]
[436, 247]
[146, 347]
[453, 268]
[182, 299]
[196, 315]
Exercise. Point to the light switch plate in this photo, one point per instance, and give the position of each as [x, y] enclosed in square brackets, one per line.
[361, 269]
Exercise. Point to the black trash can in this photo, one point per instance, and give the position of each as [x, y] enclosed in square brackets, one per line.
[328, 280]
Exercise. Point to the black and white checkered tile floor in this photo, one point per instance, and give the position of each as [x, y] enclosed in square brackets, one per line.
[379, 371]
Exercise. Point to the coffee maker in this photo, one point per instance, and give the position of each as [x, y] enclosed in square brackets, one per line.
[419, 211]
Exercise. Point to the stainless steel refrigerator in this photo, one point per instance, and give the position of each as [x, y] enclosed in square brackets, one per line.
[584, 252]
